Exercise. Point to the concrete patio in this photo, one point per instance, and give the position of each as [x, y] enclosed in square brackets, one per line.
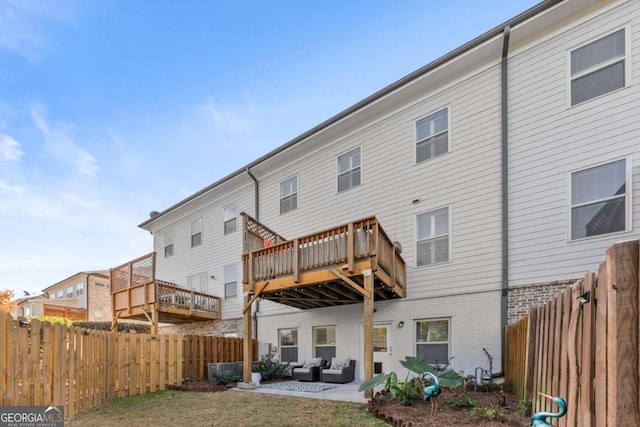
[343, 392]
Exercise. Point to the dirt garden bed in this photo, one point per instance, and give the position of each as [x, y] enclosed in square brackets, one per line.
[492, 409]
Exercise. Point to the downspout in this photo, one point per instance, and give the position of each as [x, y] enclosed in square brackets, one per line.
[504, 306]
[257, 214]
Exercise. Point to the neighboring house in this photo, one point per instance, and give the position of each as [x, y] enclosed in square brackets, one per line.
[83, 296]
[504, 170]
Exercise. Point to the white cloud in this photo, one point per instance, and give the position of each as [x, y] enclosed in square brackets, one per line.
[61, 144]
[10, 149]
[23, 24]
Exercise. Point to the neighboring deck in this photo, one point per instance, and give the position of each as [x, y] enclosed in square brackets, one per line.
[137, 294]
[322, 269]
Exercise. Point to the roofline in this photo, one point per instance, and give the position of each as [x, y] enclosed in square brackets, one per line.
[87, 273]
[497, 31]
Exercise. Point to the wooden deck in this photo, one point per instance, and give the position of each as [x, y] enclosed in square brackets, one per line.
[322, 269]
[137, 294]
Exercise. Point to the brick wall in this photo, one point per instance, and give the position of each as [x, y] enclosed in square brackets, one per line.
[522, 298]
[216, 328]
[99, 304]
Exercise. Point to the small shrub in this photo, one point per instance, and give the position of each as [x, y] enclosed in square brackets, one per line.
[461, 399]
[54, 319]
[136, 328]
[524, 407]
[269, 368]
[226, 378]
[485, 414]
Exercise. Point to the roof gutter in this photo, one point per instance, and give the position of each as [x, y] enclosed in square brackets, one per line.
[495, 32]
[504, 303]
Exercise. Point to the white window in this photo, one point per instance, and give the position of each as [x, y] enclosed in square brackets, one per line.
[432, 237]
[230, 335]
[288, 345]
[196, 233]
[349, 170]
[70, 292]
[52, 296]
[27, 311]
[168, 244]
[289, 194]
[79, 289]
[599, 201]
[230, 280]
[60, 294]
[197, 282]
[324, 342]
[598, 68]
[432, 341]
[230, 218]
[432, 135]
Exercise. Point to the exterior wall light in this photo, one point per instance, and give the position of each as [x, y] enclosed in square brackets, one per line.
[401, 324]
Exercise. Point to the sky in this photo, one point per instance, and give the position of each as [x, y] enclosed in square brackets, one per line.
[110, 109]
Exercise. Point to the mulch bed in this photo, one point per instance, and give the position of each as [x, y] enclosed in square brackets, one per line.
[419, 414]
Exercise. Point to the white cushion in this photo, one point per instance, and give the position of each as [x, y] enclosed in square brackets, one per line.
[332, 371]
[302, 370]
[340, 363]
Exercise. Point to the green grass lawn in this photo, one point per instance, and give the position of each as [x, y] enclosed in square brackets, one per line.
[228, 408]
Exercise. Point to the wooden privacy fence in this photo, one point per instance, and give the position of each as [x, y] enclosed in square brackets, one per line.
[52, 364]
[201, 350]
[583, 346]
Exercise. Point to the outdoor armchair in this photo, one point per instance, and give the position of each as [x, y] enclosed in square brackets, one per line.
[309, 370]
[339, 371]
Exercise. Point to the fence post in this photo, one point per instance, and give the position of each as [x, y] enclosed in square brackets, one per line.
[622, 335]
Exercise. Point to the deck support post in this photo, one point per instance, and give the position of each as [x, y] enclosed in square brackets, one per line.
[246, 342]
[154, 321]
[368, 329]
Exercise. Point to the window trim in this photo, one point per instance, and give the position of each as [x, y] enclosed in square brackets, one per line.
[434, 319]
[79, 289]
[224, 220]
[280, 345]
[171, 236]
[314, 345]
[627, 64]
[415, 135]
[297, 193]
[237, 282]
[450, 234]
[201, 233]
[628, 202]
[359, 147]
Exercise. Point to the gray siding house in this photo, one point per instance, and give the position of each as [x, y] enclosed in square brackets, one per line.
[503, 169]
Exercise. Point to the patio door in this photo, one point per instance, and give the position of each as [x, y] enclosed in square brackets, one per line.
[381, 348]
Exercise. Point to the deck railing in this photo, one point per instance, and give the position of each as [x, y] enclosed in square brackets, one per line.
[343, 244]
[133, 285]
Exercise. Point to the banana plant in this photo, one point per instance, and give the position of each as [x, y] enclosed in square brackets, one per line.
[408, 391]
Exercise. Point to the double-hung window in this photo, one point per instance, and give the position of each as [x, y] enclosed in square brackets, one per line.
[196, 233]
[168, 244]
[288, 345]
[70, 292]
[349, 170]
[231, 280]
[324, 342]
[230, 218]
[432, 237]
[432, 135]
[599, 200]
[598, 68]
[432, 341]
[79, 289]
[289, 194]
